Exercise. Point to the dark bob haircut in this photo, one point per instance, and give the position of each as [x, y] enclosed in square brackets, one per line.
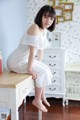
[43, 11]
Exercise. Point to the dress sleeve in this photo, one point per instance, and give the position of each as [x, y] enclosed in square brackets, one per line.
[37, 41]
[30, 40]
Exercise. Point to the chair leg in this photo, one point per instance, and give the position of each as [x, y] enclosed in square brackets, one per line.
[39, 115]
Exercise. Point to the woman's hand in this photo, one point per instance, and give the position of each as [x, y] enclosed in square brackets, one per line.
[34, 74]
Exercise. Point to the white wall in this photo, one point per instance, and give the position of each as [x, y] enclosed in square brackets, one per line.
[17, 15]
[13, 24]
[70, 30]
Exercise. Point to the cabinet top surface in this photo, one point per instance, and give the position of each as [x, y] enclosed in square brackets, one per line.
[72, 68]
[12, 80]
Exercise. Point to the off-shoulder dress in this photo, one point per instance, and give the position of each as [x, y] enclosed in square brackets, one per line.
[18, 59]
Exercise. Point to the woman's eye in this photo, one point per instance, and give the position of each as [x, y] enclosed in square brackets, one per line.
[51, 18]
[45, 16]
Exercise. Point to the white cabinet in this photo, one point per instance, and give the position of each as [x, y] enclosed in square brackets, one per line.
[13, 89]
[54, 58]
[72, 82]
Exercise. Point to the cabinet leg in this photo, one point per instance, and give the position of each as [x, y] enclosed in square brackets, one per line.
[63, 103]
[67, 101]
[14, 115]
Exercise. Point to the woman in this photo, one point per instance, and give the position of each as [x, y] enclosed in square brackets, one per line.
[34, 41]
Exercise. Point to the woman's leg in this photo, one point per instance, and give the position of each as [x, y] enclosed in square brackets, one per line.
[44, 76]
[37, 101]
[43, 97]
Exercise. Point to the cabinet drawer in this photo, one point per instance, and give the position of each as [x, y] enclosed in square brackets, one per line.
[73, 93]
[53, 89]
[23, 91]
[52, 56]
[53, 64]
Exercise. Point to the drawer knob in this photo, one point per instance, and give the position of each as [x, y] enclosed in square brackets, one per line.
[52, 89]
[26, 88]
[54, 73]
[52, 56]
[53, 81]
[49, 39]
[52, 65]
[36, 56]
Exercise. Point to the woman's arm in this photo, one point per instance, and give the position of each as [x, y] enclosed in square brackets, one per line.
[33, 30]
[30, 62]
[31, 57]
[40, 55]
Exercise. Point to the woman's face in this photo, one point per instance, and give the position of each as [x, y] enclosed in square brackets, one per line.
[47, 21]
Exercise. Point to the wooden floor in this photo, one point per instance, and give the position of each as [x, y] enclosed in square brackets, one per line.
[55, 112]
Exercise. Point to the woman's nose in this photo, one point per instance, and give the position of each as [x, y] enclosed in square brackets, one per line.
[48, 20]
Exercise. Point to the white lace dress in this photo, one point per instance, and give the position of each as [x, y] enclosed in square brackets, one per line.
[18, 60]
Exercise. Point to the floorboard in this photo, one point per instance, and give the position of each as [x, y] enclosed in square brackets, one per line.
[55, 112]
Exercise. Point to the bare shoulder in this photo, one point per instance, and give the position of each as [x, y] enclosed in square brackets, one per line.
[33, 29]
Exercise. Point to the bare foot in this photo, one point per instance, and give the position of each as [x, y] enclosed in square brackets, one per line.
[45, 101]
[39, 105]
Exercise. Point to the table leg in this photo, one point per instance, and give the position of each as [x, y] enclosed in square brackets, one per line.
[14, 114]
